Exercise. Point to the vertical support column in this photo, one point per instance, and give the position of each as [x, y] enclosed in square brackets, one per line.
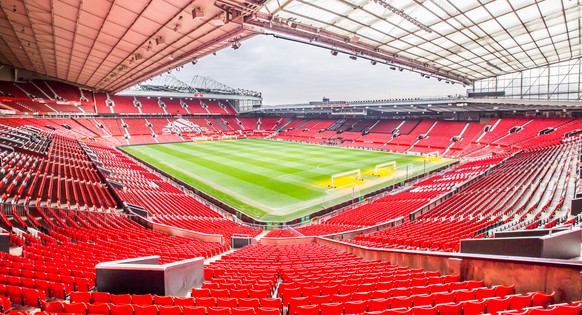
[454, 267]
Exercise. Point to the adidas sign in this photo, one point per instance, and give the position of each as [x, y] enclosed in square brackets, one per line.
[183, 125]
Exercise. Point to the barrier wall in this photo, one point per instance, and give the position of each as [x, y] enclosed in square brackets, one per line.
[175, 231]
[350, 235]
[529, 275]
[544, 243]
[144, 275]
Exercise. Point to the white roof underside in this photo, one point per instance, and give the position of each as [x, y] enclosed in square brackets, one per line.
[109, 44]
[474, 39]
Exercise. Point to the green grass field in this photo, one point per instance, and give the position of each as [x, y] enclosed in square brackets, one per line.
[274, 180]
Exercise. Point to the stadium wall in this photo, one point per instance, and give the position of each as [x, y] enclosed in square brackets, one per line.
[175, 231]
[528, 275]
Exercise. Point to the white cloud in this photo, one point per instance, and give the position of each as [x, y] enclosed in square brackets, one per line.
[289, 72]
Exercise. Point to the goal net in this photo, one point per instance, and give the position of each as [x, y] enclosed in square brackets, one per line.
[431, 156]
[346, 178]
[385, 169]
[201, 139]
[229, 137]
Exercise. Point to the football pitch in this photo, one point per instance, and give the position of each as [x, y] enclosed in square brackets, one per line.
[275, 180]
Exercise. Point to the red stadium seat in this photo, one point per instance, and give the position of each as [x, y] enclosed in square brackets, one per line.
[193, 310]
[143, 299]
[249, 302]
[242, 311]
[218, 311]
[98, 309]
[226, 302]
[206, 302]
[519, 302]
[503, 290]
[84, 297]
[378, 305]
[242, 293]
[495, 305]
[449, 309]
[355, 307]
[307, 310]
[474, 307]
[184, 301]
[425, 310]
[332, 308]
[171, 310]
[121, 309]
[542, 299]
[145, 309]
[201, 292]
[163, 300]
[267, 311]
[100, 297]
[53, 307]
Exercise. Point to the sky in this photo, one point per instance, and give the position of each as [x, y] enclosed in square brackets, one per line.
[287, 72]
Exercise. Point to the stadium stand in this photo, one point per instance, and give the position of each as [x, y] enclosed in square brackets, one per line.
[70, 198]
[65, 215]
[466, 215]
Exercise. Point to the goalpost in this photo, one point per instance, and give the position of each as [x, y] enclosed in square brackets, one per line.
[201, 139]
[387, 167]
[348, 177]
[434, 154]
[229, 137]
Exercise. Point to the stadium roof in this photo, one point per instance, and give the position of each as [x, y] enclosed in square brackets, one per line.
[463, 40]
[111, 45]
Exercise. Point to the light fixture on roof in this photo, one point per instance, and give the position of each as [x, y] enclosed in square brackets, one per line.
[177, 27]
[373, 62]
[236, 45]
[353, 57]
[403, 15]
[195, 61]
[400, 69]
[217, 21]
[171, 57]
[334, 52]
[392, 68]
[159, 40]
[197, 13]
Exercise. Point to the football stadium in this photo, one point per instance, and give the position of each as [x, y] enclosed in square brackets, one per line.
[131, 184]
